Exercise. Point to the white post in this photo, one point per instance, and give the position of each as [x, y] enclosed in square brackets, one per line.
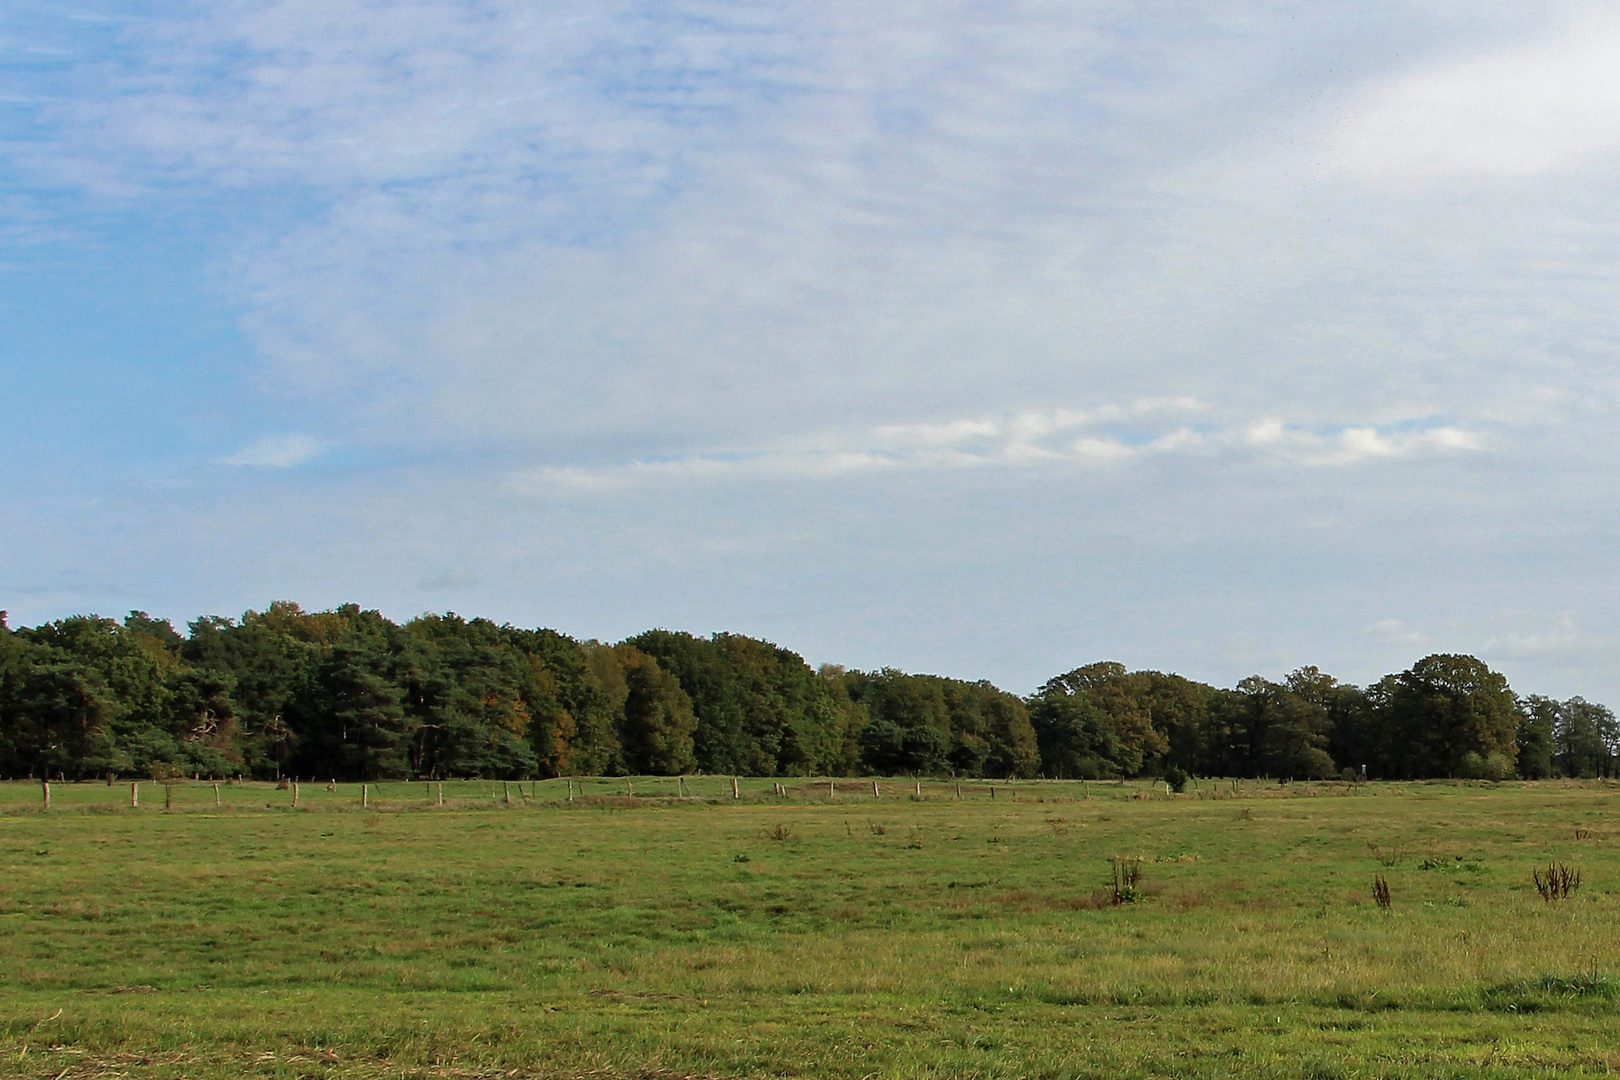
[441, 793]
[216, 793]
[734, 792]
[365, 796]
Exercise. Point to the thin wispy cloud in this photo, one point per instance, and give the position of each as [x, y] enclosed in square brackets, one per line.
[1396, 632]
[278, 452]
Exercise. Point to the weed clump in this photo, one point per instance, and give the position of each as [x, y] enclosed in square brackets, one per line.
[1127, 883]
[1381, 891]
[782, 831]
[1558, 882]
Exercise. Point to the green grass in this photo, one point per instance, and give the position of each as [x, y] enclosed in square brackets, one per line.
[805, 935]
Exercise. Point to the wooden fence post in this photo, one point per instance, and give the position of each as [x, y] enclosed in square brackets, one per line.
[45, 786]
[959, 789]
[365, 796]
[168, 796]
[629, 787]
[735, 794]
[441, 792]
[295, 794]
[134, 793]
[832, 789]
[874, 789]
[919, 787]
[570, 789]
[992, 792]
[216, 793]
[506, 793]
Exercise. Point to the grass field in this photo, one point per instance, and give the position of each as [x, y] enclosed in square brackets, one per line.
[806, 935]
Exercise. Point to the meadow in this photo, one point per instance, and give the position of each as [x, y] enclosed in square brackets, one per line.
[656, 928]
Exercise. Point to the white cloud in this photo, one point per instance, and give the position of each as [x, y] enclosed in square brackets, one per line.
[1551, 103]
[279, 452]
[1355, 444]
[1072, 439]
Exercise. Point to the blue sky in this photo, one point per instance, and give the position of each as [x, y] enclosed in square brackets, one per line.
[979, 338]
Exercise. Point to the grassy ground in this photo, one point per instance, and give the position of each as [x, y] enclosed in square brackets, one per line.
[515, 933]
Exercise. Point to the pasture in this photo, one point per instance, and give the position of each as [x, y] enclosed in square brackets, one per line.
[681, 932]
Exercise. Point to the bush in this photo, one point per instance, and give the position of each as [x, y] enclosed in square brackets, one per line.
[1176, 778]
[1493, 767]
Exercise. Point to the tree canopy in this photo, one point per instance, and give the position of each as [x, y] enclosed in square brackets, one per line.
[349, 694]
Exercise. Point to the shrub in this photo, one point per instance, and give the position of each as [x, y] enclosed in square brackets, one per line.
[1176, 778]
[1495, 766]
[1381, 891]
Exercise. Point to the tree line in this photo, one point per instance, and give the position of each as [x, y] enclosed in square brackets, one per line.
[349, 694]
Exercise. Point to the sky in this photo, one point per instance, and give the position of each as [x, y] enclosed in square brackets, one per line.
[977, 338]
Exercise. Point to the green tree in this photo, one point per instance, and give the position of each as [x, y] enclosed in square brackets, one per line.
[1447, 715]
[760, 708]
[1286, 731]
[1124, 701]
[1585, 738]
[1014, 749]
[850, 719]
[1536, 736]
[1076, 737]
[658, 717]
[352, 723]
